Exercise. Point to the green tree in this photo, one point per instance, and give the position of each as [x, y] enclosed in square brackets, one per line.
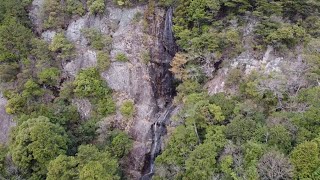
[89, 84]
[201, 163]
[62, 47]
[63, 167]
[54, 14]
[3, 154]
[49, 76]
[305, 158]
[31, 89]
[14, 40]
[288, 35]
[121, 144]
[181, 143]
[106, 106]
[280, 137]
[95, 164]
[35, 143]
[9, 71]
[15, 8]
[186, 88]
[241, 130]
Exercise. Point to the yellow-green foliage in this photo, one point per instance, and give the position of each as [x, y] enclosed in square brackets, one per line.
[288, 35]
[121, 57]
[89, 84]
[127, 109]
[61, 46]
[96, 6]
[234, 77]
[36, 142]
[103, 61]
[97, 40]
[75, 7]
[54, 14]
[305, 158]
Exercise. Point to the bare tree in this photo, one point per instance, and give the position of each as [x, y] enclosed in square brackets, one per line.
[275, 166]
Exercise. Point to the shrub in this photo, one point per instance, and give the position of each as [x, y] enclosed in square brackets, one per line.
[97, 40]
[186, 88]
[89, 84]
[234, 77]
[287, 35]
[54, 14]
[127, 109]
[61, 46]
[121, 144]
[16, 104]
[103, 61]
[178, 64]
[137, 17]
[96, 6]
[146, 57]
[106, 106]
[49, 76]
[121, 57]
[8, 71]
[75, 7]
[126, 3]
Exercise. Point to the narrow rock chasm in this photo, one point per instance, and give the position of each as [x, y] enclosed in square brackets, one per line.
[164, 92]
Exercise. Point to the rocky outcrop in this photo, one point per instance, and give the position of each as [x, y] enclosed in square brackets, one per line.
[268, 63]
[6, 121]
[35, 13]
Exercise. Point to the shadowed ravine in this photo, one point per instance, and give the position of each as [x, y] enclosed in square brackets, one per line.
[164, 92]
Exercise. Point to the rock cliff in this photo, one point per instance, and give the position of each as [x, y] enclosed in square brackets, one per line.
[137, 79]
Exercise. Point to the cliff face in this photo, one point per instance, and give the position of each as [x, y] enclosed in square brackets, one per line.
[148, 84]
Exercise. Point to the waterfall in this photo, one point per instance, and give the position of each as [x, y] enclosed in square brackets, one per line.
[164, 92]
[168, 38]
[158, 130]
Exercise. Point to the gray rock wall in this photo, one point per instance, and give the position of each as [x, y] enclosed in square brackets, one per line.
[6, 121]
[129, 80]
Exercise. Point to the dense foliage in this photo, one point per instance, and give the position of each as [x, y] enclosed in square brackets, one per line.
[51, 139]
[265, 127]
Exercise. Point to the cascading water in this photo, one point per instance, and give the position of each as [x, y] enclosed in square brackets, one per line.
[164, 92]
[158, 130]
[168, 38]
